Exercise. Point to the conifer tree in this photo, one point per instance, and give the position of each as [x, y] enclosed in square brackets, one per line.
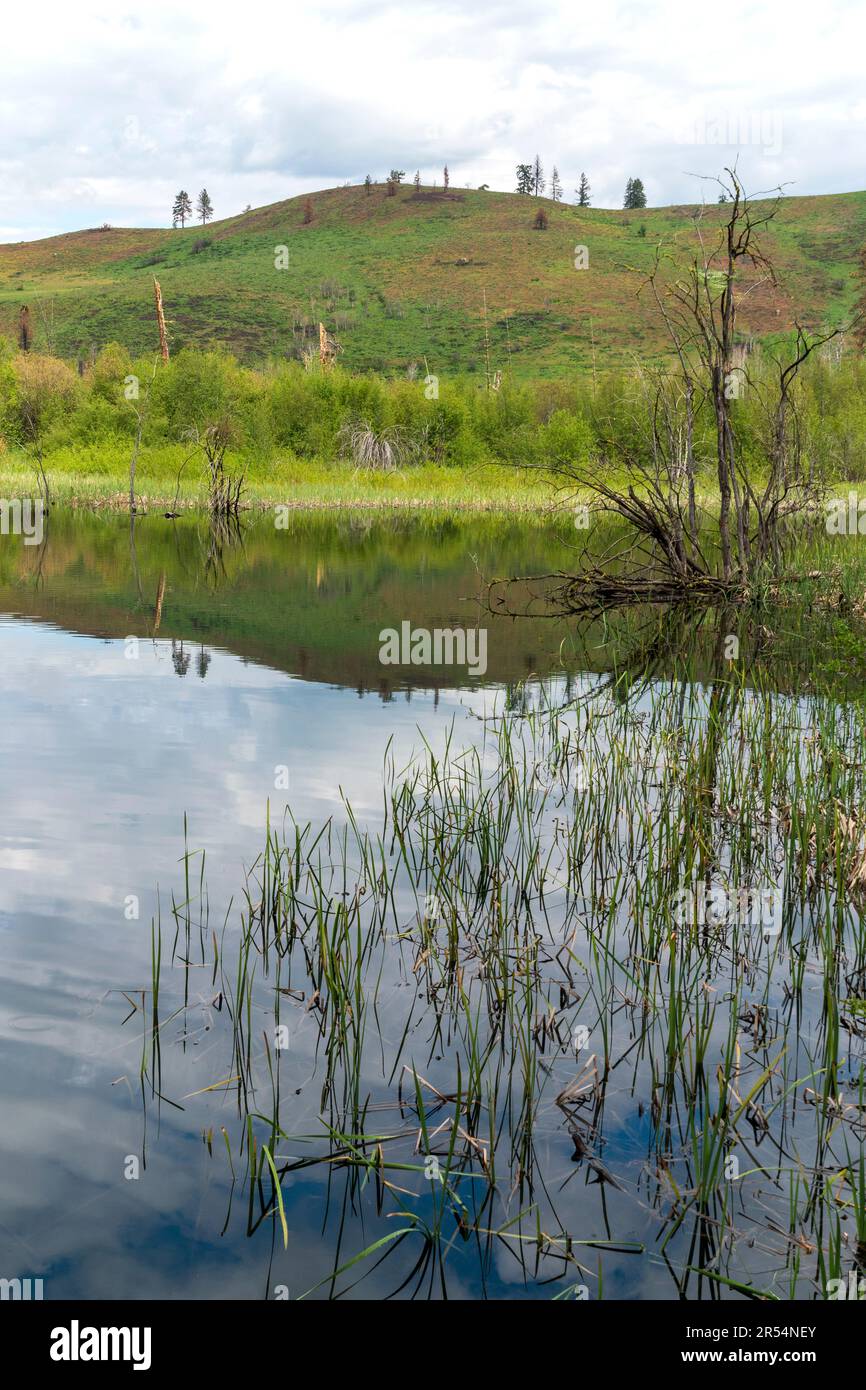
[538, 181]
[635, 197]
[524, 178]
[182, 209]
[204, 207]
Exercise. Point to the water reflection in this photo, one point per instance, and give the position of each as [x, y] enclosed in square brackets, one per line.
[157, 691]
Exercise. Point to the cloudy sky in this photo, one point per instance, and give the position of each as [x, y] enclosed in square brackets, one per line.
[107, 109]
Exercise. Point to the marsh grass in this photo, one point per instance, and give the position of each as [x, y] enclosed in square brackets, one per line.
[529, 1070]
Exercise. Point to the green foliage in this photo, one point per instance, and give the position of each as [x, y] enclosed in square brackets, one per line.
[37, 395]
[109, 372]
[286, 413]
[635, 196]
[196, 389]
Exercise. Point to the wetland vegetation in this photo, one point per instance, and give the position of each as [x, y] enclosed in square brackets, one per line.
[540, 976]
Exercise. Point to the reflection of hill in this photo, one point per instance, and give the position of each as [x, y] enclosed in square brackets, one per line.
[310, 601]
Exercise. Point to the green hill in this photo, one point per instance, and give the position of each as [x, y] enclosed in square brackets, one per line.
[401, 280]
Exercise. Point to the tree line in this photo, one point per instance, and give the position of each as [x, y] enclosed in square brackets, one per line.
[531, 182]
[396, 177]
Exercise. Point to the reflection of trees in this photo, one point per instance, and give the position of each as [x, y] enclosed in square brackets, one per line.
[224, 532]
[180, 657]
[42, 551]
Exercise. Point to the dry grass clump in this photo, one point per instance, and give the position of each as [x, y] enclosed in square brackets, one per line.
[380, 450]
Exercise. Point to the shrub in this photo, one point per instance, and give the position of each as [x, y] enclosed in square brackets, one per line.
[195, 389]
[44, 390]
[107, 375]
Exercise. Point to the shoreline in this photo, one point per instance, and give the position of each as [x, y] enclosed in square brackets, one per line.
[486, 490]
[148, 506]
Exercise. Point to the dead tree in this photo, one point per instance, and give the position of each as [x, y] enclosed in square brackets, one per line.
[25, 332]
[160, 319]
[224, 489]
[141, 413]
[328, 348]
[670, 531]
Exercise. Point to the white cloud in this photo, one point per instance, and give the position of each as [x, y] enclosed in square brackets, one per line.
[104, 114]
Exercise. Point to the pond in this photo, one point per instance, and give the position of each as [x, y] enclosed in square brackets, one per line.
[329, 976]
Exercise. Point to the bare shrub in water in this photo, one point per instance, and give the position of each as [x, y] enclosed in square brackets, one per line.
[708, 372]
[224, 489]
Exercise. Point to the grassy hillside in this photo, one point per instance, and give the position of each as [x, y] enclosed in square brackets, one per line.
[402, 280]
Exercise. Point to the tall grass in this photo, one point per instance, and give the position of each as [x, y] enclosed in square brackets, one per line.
[528, 1065]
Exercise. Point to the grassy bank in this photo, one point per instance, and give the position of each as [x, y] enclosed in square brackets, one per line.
[95, 478]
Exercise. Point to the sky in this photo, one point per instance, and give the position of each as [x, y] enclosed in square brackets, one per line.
[106, 109]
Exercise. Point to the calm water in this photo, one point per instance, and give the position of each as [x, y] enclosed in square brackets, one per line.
[171, 675]
[253, 655]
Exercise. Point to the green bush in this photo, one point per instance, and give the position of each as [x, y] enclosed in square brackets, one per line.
[286, 413]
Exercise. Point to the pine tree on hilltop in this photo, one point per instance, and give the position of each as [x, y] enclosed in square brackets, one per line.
[555, 185]
[182, 209]
[635, 197]
[204, 207]
[446, 178]
[524, 178]
[368, 185]
[538, 182]
[583, 192]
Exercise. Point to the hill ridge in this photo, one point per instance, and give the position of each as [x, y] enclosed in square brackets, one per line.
[402, 280]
